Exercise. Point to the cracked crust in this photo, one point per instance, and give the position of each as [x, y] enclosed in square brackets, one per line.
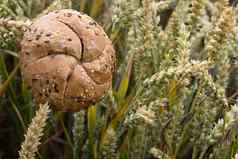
[67, 60]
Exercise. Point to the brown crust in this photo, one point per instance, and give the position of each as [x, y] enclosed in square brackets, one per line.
[67, 60]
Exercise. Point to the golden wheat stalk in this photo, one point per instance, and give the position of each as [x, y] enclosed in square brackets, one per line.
[34, 133]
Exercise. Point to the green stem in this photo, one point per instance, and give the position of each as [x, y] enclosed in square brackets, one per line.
[91, 117]
[7, 83]
[82, 5]
[195, 152]
[96, 6]
[18, 114]
[66, 132]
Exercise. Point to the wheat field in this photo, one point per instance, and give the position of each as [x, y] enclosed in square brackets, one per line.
[173, 92]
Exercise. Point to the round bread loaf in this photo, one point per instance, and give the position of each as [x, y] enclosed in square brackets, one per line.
[67, 60]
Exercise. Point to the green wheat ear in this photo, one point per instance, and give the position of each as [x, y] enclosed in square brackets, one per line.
[34, 133]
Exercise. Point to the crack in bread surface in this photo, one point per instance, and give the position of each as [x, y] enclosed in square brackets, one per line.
[82, 52]
[81, 40]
